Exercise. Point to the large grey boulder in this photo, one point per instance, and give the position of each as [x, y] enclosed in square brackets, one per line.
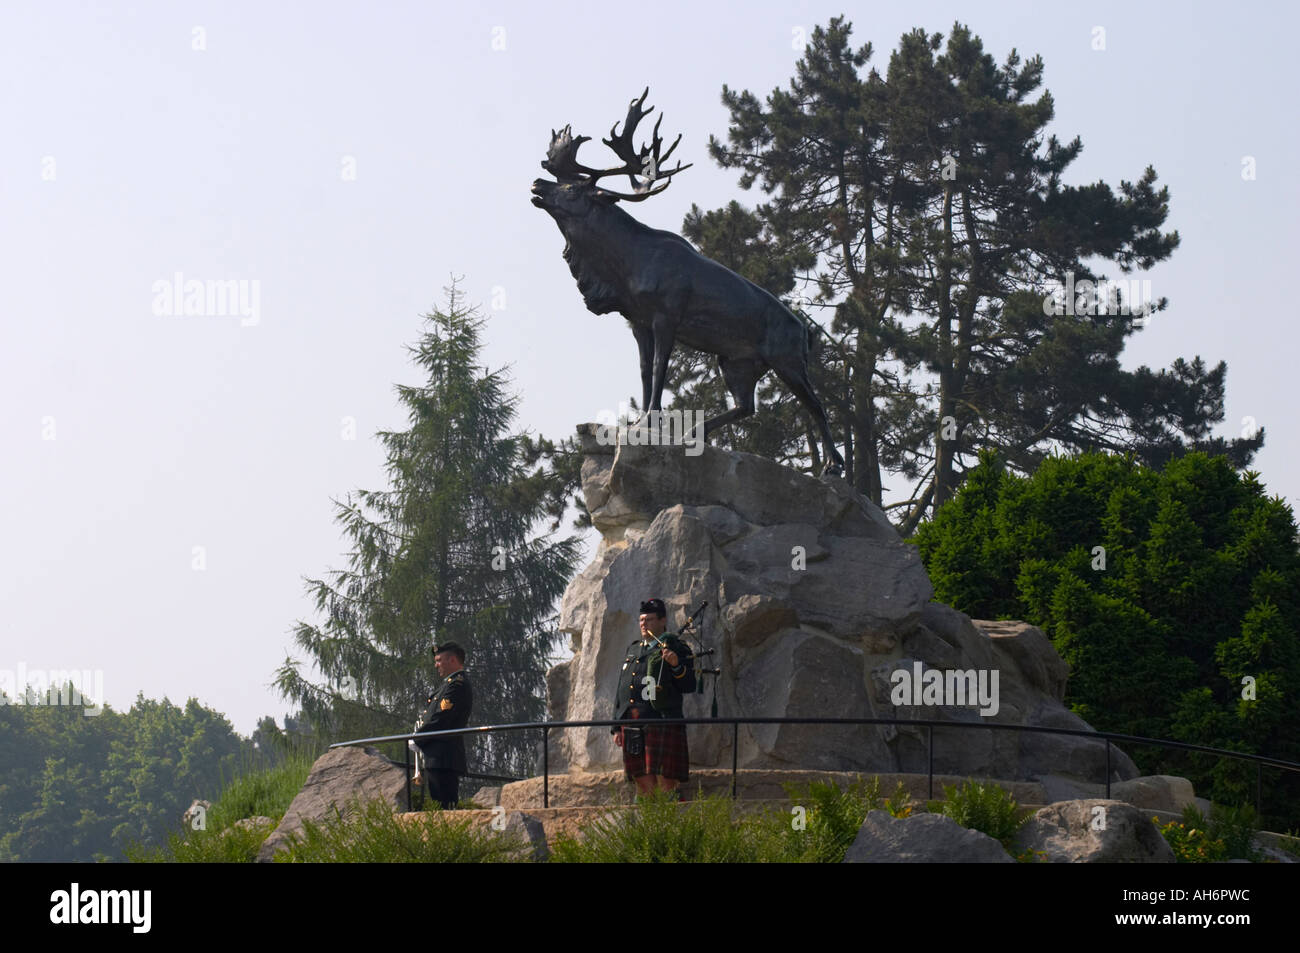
[817, 609]
[1094, 831]
[922, 839]
[339, 780]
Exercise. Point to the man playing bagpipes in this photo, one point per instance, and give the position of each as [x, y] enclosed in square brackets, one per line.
[658, 673]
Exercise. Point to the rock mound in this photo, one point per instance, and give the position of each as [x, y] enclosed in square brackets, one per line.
[1092, 831]
[922, 839]
[339, 779]
[817, 609]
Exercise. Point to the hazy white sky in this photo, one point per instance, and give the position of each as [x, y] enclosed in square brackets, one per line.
[347, 158]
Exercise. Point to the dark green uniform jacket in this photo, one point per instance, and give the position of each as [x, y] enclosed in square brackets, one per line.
[448, 706]
[670, 685]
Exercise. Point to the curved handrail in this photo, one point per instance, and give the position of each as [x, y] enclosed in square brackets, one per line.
[928, 723]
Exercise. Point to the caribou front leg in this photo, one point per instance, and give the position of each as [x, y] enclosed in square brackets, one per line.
[664, 328]
[645, 345]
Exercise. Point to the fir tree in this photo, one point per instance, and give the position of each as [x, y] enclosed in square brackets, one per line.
[447, 554]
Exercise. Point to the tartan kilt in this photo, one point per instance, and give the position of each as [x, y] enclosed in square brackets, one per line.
[665, 753]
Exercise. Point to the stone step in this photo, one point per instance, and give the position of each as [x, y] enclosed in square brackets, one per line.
[591, 789]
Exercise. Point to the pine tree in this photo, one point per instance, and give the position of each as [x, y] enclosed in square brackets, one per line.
[932, 201]
[447, 554]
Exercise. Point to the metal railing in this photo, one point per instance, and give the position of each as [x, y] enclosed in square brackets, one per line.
[546, 727]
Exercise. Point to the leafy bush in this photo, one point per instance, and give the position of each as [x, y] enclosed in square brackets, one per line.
[986, 808]
[1290, 842]
[1031, 856]
[901, 803]
[1228, 834]
[1192, 844]
[1173, 595]
[1236, 827]
[375, 834]
[831, 820]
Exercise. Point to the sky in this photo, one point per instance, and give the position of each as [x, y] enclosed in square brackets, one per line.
[168, 477]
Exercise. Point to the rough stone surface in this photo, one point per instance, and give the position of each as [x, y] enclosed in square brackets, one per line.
[922, 839]
[530, 830]
[337, 779]
[1276, 855]
[1058, 788]
[1094, 831]
[557, 690]
[1157, 792]
[815, 604]
[594, 789]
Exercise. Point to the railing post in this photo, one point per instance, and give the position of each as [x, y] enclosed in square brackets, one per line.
[735, 738]
[1107, 769]
[929, 760]
[546, 767]
[407, 749]
[1259, 792]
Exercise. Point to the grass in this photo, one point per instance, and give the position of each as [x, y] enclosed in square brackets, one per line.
[266, 793]
[821, 824]
[373, 833]
[819, 828]
[660, 830]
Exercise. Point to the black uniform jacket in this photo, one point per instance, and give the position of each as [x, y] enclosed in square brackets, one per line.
[448, 706]
[646, 660]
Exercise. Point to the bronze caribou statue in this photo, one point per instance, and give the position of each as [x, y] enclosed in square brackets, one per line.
[666, 289]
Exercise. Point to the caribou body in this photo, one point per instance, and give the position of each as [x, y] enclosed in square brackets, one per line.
[668, 291]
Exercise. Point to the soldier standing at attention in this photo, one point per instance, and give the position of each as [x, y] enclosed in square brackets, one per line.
[658, 672]
[448, 706]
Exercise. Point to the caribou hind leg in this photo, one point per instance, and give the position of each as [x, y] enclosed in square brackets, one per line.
[797, 380]
[741, 376]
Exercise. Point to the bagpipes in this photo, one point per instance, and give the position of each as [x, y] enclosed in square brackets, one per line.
[693, 638]
[701, 651]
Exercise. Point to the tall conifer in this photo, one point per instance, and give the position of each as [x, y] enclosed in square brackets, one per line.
[447, 554]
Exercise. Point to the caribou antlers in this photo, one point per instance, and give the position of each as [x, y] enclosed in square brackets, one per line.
[646, 163]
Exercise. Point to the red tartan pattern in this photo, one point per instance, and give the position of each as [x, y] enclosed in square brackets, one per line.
[665, 754]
